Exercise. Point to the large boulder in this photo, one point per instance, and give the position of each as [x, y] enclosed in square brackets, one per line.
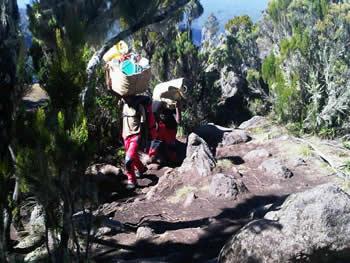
[235, 137]
[254, 122]
[312, 226]
[226, 186]
[276, 168]
[144, 232]
[199, 158]
[212, 134]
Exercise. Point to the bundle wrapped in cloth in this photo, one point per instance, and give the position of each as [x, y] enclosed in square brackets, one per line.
[170, 92]
[129, 73]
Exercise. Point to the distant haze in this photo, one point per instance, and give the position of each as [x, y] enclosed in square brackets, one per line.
[23, 3]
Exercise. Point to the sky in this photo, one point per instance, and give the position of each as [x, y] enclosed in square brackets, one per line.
[22, 3]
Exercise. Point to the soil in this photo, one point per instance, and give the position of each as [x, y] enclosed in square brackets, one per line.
[197, 232]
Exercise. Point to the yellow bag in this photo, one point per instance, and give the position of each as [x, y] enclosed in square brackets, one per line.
[170, 92]
[116, 51]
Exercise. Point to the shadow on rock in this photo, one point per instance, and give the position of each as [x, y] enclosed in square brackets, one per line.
[236, 160]
[217, 231]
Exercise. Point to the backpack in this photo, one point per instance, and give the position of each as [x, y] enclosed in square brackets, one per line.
[170, 92]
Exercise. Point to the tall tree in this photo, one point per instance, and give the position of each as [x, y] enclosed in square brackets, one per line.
[60, 55]
[8, 57]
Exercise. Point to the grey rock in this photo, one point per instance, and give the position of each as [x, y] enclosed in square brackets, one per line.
[276, 168]
[30, 242]
[36, 224]
[199, 158]
[256, 154]
[144, 232]
[153, 166]
[102, 231]
[235, 137]
[254, 122]
[37, 255]
[309, 226]
[226, 186]
[104, 169]
[230, 83]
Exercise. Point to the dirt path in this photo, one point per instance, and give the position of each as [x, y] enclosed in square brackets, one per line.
[195, 231]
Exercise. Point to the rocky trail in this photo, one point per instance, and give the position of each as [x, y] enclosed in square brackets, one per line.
[221, 203]
[188, 213]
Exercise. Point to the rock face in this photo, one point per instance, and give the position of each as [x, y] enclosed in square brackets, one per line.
[226, 186]
[312, 226]
[235, 137]
[230, 83]
[37, 221]
[198, 157]
[276, 168]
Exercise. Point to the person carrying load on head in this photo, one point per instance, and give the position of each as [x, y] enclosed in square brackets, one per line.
[166, 107]
[127, 75]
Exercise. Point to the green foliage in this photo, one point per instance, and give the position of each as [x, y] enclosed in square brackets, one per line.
[79, 133]
[62, 146]
[268, 69]
[308, 71]
[276, 9]
[134, 10]
[23, 70]
[327, 133]
[239, 23]
[346, 144]
[320, 7]
[299, 41]
[253, 75]
[346, 167]
[295, 128]
[257, 107]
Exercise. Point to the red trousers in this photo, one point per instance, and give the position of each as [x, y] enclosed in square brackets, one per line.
[152, 127]
[167, 138]
[132, 159]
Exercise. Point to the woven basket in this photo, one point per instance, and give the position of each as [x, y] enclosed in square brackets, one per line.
[129, 85]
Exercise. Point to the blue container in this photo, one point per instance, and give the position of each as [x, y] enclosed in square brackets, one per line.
[128, 67]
